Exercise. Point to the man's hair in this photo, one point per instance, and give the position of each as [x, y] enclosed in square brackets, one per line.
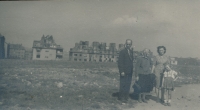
[145, 50]
[128, 40]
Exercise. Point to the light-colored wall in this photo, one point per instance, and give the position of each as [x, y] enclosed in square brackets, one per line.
[45, 54]
[93, 57]
[16, 53]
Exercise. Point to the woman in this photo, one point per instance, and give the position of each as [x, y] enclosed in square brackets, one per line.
[158, 67]
[144, 76]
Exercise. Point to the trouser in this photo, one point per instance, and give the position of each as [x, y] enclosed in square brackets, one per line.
[158, 84]
[125, 83]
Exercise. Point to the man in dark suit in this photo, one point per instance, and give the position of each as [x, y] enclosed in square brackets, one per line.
[125, 65]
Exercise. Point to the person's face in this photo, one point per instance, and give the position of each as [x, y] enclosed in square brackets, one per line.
[146, 52]
[128, 44]
[161, 51]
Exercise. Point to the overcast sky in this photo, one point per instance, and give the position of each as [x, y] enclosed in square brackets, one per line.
[149, 23]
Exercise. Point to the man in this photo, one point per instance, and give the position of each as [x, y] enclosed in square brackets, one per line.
[143, 73]
[125, 65]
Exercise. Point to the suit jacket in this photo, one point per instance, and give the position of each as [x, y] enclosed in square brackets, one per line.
[125, 61]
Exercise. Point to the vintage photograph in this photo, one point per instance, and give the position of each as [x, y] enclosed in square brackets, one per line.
[100, 55]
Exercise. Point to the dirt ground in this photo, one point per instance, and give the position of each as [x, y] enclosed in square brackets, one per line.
[65, 85]
[186, 97]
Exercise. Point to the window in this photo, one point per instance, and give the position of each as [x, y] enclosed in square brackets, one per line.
[46, 50]
[75, 59]
[80, 54]
[75, 54]
[38, 50]
[37, 56]
[85, 59]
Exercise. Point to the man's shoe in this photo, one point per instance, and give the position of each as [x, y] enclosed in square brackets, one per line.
[139, 100]
[144, 101]
[165, 104]
[168, 104]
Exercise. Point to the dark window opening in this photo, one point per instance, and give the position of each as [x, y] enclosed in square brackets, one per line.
[37, 56]
[59, 56]
[38, 50]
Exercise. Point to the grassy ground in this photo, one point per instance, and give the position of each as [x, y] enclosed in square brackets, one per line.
[58, 85]
[65, 85]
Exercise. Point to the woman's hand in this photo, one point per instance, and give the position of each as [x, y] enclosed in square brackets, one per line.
[122, 74]
[137, 78]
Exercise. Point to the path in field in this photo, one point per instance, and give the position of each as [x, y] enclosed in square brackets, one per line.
[186, 97]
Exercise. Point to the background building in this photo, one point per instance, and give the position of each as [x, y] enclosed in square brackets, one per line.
[2, 47]
[46, 49]
[97, 52]
[28, 54]
[173, 61]
[15, 51]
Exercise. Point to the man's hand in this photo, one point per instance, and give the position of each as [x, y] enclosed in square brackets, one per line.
[122, 74]
[137, 78]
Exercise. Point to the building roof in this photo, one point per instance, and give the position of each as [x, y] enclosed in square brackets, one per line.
[37, 44]
[16, 46]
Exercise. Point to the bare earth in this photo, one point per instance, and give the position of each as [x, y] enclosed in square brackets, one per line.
[186, 97]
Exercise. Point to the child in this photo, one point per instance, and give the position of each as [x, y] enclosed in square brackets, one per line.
[169, 76]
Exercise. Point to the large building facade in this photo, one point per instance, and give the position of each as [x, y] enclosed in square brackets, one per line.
[46, 49]
[97, 52]
[15, 51]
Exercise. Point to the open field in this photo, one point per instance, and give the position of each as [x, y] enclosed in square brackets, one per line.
[65, 85]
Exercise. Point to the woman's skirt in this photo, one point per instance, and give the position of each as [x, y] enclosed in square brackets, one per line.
[146, 82]
[168, 83]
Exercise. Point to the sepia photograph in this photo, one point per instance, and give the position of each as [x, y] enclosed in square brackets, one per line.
[99, 55]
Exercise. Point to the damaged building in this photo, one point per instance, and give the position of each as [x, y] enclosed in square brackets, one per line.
[46, 49]
[97, 52]
[16, 51]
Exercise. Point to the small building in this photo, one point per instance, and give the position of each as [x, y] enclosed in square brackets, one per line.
[173, 61]
[15, 51]
[46, 49]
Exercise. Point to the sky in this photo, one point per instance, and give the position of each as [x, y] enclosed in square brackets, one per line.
[174, 24]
